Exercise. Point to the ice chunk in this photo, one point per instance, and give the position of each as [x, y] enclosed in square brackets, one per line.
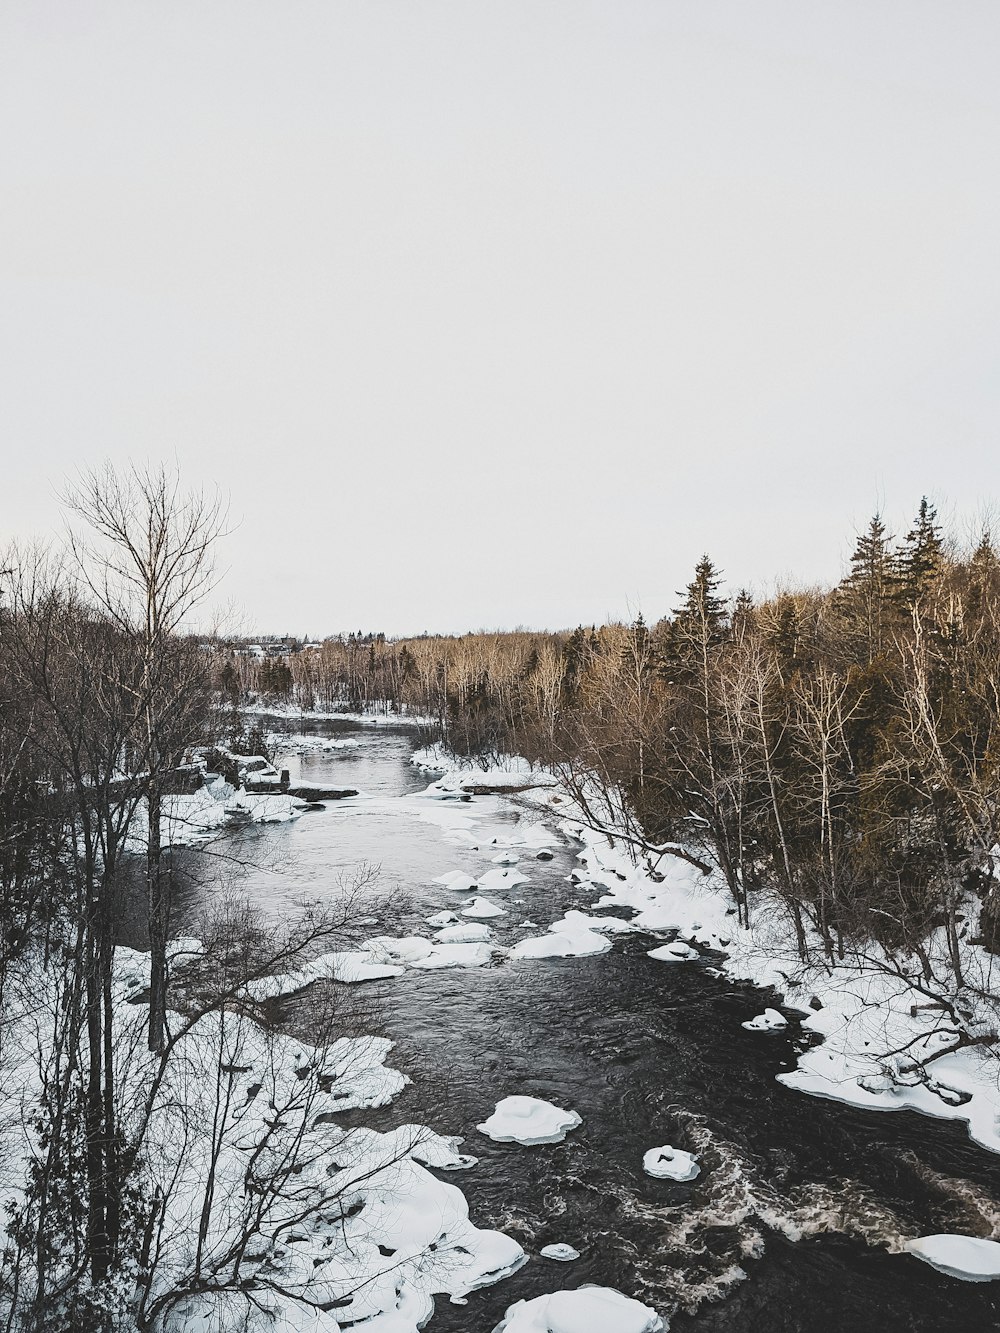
[769, 1021]
[668, 1163]
[528, 1120]
[586, 1310]
[965, 1257]
[564, 1253]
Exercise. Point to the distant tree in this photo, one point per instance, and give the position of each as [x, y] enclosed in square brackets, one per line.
[865, 597]
[919, 559]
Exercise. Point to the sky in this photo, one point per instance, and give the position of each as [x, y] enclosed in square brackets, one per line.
[486, 314]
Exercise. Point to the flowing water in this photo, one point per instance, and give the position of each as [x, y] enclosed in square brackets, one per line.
[797, 1218]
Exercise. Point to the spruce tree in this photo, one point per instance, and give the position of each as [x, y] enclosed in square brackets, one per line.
[703, 616]
[866, 595]
[919, 559]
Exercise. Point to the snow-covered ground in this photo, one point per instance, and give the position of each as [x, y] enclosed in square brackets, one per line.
[242, 1142]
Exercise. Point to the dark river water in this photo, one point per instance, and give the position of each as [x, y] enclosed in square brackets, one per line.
[791, 1224]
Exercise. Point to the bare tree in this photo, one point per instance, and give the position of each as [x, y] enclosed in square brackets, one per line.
[144, 548]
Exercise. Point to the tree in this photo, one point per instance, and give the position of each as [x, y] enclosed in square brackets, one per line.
[865, 597]
[145, 555]
[919, 559]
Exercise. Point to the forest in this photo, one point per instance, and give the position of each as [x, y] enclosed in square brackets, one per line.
[837, 747]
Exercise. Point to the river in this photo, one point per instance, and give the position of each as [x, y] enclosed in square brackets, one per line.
[806, 1198]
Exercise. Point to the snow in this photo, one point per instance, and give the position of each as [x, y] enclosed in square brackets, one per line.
[529, 1121]
[965, 1257]
[363, 1225]
[561, 1252]
[769, 1021]
[482, 909]
[345, 966]
[585, 1310]
[668, 1163]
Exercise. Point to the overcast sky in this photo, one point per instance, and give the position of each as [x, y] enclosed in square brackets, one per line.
[499, 313]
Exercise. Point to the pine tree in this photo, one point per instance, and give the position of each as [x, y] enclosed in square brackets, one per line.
[918, 560]
[866, 595]
[703, 615]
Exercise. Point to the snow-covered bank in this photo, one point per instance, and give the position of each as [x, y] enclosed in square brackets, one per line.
[887, 1043]
[380, 718]
[270, 1215]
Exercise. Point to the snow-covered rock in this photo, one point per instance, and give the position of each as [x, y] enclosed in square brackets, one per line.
[469, 934]
[677, 952]
[562, 1253]
[406, 949]
[558, 943]
[457, 880]
[456, 955]
[528, 1120]
[769, 1021]
[668, 1163]
[965, 1257]
[502, 879]
[481, 909]
[586, 1310]
[442, 919]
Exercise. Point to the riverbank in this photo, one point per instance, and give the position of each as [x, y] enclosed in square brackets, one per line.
[886, 1039]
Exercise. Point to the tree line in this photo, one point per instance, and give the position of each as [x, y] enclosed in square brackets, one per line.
[838, 747]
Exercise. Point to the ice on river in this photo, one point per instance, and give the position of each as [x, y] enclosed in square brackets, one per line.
[668, 1163]
[769, 1021]
[965, 1257]
[586, 1310]
[528, 1120]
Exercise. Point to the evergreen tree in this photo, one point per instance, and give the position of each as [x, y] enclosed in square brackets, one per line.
[918, 561]
[703, 616]
[866, 596]
[744, 614]
[785, 637]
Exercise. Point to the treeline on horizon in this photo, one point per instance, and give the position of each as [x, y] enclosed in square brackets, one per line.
[838, 747]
